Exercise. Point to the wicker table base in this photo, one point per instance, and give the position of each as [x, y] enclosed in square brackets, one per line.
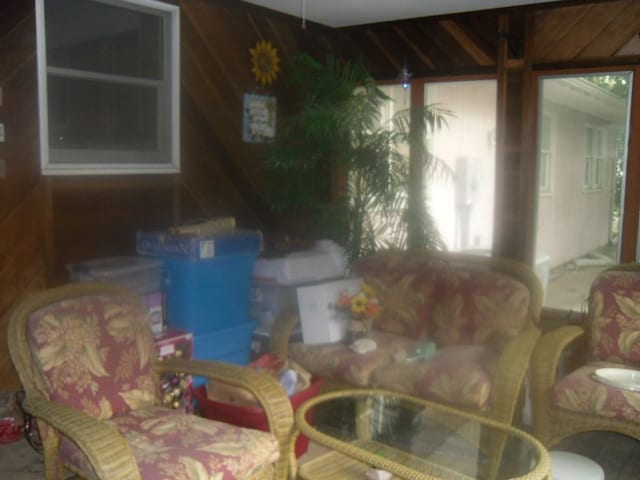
[333, 465]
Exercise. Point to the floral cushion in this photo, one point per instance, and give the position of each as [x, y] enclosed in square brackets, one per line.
[614, 310]
[459, 375]
[476, 306]
[171, 445]
[447, 302]
[579, 392]
[79, 343]
[339, 362]
[402, 291]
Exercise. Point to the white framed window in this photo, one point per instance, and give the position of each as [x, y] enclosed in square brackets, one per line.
[594, 148]
[545, 156]
[108, 84]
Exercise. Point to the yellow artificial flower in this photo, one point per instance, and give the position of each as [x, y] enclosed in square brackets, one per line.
[359, 304]
[265, 61]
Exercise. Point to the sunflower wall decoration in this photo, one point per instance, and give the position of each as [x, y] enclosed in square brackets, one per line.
[265, 62]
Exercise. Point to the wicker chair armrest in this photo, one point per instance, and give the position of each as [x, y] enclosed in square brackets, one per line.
[547, 354]
[281, 332]
[510, 373]
[545, 361]
[104, 447]
[264, 387]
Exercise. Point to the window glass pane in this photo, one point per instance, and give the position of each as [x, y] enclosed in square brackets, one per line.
[578, 221]
[108, 84]
[86, 114]
[461, 183]
[545, 155]
[95, 37]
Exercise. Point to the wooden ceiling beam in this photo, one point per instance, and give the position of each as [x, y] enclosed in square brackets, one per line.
[376, 41]
[418, 51]
[466, 42]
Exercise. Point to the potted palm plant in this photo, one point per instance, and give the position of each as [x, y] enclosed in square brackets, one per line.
[336, 162]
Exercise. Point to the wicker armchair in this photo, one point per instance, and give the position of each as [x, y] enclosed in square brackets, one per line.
[87, 361]
[563, 405]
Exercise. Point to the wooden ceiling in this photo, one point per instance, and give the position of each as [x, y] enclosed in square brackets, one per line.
[459, 43]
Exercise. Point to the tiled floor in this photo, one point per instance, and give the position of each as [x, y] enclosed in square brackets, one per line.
[18, 461]
[618, 455]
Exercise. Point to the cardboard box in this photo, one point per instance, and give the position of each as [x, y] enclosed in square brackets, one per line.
[321, 321]
[198, 247]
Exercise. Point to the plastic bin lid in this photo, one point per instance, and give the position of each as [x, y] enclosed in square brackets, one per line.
[108, 266]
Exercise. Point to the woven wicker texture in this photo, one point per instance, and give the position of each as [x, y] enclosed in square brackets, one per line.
[552, 424]
[351, 459]
[514, 360]
[105, 449]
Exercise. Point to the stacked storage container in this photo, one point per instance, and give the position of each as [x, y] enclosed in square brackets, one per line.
[141, 275]
[207, 282]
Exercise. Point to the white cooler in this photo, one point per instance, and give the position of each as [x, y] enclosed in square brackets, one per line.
[571, 466]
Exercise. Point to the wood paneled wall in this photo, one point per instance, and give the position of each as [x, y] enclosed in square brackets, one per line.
[46, 223]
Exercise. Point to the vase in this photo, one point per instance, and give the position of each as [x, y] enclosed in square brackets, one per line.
[358, 328]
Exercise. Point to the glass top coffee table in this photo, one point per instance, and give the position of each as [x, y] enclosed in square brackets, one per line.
[366, 430]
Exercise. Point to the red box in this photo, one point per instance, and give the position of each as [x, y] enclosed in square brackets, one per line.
[173, 342]
[254, 417]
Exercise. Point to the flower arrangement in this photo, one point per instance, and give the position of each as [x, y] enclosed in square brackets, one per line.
[363, 307]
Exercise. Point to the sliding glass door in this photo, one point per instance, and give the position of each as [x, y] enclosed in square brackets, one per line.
[583, 135]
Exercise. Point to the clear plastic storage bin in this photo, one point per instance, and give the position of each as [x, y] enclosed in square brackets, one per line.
[139, 274]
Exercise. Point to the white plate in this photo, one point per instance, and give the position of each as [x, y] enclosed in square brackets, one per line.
[619, 377]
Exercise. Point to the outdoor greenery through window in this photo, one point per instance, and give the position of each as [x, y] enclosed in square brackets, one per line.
[108, 86]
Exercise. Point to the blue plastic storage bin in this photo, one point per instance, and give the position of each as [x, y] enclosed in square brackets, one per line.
[231, 345]
[208, 295]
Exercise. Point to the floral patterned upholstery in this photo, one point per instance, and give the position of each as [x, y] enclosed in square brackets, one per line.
[449, 303]
[458, 375]
[97, 355]
[614, 317]
[579, 392]
[171, 445]
[614, 320]
[338, 361]
[78, 342]
[470, 311]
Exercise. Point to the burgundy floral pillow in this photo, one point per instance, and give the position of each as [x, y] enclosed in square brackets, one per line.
[96, 353]
[614, 317]
[404, 291]
[476, 306]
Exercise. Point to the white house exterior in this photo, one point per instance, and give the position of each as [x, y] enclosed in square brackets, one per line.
[580, 124]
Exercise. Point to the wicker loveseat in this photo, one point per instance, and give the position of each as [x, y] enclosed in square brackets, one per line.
[480, 312]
